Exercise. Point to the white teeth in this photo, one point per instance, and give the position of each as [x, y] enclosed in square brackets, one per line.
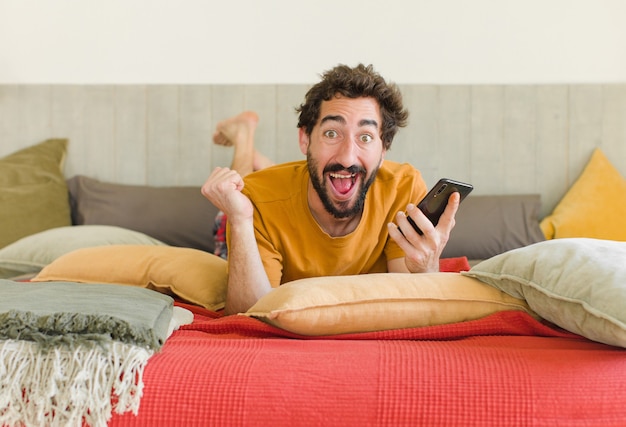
[340, 176]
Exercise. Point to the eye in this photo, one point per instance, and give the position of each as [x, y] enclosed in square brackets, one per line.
[330, 134]
[366, 138]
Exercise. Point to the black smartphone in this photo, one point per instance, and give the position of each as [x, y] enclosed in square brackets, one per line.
[435, 202]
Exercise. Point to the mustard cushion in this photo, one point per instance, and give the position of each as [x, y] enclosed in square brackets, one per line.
[372, 302]
[594, 207]
[33, 192]
[30, 254]
[191, 274]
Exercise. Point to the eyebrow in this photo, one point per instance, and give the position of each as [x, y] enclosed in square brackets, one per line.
[340, 119]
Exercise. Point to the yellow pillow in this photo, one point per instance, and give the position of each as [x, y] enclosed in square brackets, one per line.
[373, 302]
[594, 207]
[191, 274]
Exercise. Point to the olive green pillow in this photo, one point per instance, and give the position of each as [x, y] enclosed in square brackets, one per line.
[33, 192]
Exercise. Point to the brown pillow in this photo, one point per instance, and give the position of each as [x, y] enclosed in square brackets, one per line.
[178, 216]
[490, 225]
[33, 194]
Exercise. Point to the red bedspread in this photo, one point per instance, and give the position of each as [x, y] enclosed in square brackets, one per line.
[506, 369]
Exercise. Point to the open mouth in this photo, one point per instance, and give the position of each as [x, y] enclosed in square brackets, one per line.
[343, 182]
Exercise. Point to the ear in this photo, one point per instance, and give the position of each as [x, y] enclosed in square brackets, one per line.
[304, 140]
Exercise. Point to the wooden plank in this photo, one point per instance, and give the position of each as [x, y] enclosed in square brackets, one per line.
[195, 134]
[163, 156]
[131, 134]
[68, 106]
[34, 114]
[486, 139]
[85, 115]
[226, 101]
[551, 144]
[518, 145]
[454, 132]
[262, 99]
[288, 98]
[418, 143]
[10, 139]
[585, 126]
[614, 125]
[98, 135]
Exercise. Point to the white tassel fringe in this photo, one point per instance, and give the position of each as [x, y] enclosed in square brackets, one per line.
[69, 387]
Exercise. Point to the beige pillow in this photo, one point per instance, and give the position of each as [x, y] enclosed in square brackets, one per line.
[32, 253]
[191, 274]
[372, 302]
[578, 284]
[33, 192]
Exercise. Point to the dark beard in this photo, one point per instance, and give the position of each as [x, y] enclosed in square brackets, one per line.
[343, 210]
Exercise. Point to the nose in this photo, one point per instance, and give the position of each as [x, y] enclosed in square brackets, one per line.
[347, 152]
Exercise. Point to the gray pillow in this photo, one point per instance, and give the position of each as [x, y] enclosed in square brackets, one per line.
[490, 225]
[179, 216]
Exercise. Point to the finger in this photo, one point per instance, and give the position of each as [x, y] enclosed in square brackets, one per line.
[403, 225]
[447, 220]
[399, 235]
[395, 232]
[418, 217]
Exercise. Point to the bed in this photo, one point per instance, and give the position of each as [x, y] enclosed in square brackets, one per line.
[524, 325]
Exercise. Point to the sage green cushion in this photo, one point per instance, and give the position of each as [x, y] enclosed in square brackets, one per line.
[33, 192]
[30, 254]
[578, 284]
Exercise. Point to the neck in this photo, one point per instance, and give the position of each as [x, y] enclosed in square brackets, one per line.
[334, 227]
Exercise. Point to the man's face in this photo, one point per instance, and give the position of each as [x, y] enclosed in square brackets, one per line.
[344, 152]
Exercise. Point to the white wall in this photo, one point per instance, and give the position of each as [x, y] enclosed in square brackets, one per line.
[290, 41]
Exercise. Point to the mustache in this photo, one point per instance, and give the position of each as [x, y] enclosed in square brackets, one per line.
[336, 167]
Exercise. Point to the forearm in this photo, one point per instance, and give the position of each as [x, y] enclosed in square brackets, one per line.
[247, 280]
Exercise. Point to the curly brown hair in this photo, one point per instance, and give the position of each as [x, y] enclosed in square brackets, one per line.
[357, 82]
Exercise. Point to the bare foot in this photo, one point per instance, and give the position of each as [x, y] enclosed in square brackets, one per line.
[236, 130]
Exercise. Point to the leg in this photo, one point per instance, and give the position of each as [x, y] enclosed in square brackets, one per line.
[238, 132]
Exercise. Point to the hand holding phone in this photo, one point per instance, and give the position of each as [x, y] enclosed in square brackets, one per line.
[435, 202]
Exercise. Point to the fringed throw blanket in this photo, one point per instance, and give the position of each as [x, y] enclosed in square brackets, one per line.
[71, 354]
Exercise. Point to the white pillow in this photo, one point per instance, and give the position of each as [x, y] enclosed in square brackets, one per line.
[578, 284]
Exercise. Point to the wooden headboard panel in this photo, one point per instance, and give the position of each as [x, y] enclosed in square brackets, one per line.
[505, 139]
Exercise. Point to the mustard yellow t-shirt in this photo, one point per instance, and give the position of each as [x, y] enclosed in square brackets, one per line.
[292, 244]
